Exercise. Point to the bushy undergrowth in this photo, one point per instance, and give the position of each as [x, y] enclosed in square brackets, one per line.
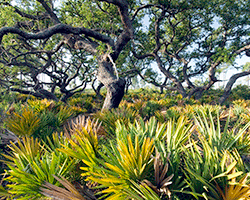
[37, 118]
[31, 162]
[153, 147]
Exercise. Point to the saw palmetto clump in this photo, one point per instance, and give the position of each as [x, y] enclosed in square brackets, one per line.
[68, 193]
[81, 123]
[162, 181]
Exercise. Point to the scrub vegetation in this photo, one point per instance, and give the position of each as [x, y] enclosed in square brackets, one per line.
[154, 146]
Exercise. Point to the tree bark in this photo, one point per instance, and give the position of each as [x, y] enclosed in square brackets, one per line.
[98, 91]
[197, 92]
[39, 93]
[161, 90]
[108, 76]
[230, 84]
[115, 93]
[66, 96]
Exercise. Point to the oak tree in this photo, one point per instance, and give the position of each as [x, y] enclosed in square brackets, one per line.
[191, 39]
[121, 38]
[36, 32]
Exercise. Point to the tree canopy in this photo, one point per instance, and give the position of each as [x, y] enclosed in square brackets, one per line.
[188, 39]
[70, 42]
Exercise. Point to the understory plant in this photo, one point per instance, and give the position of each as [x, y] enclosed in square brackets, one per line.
[222, 136]
[24, 124]
[196, 155]
[109, 118]
[31, 163]
[216, 148]
[116, 166]
[120, 167]
[169, 139]
[162, 181]
[209, 173]
[68, 193]
[38, 118]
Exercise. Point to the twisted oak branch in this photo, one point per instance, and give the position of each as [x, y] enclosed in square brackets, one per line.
[56, 29]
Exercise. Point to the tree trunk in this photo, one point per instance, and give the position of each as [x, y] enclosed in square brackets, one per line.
[115, 93]
[197, 92]
[182, 92]
[230, 84]
[127, 84]
[161, 90]
[225, 95]
[47, 94]
[108, 76]
[66, 96]
[98, 91]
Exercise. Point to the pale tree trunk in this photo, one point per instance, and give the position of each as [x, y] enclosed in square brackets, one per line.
[115, 92]
[73, 37]
[230, 84]
[115, 86]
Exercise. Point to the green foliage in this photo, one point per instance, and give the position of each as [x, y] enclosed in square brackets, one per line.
[41, 105]
[174, 132]
[171, 113]
[63, 114]
[206, 170]
[87, 103]
[140, 192]
[109, 118]
[120, 164]
[40, 118]
[25, 124]
[113, 167]
[235, 190]
[199, 151]
[150, 108]
[223, 138]
[175, 141]
[169, 137]
[241, 92]
[84, 144]
[31, 163]
[88, 11]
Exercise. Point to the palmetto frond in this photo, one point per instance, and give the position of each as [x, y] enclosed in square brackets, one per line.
[24, 124]
[81, 122]
[235, 190]
[67, 193]
[162, 182]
